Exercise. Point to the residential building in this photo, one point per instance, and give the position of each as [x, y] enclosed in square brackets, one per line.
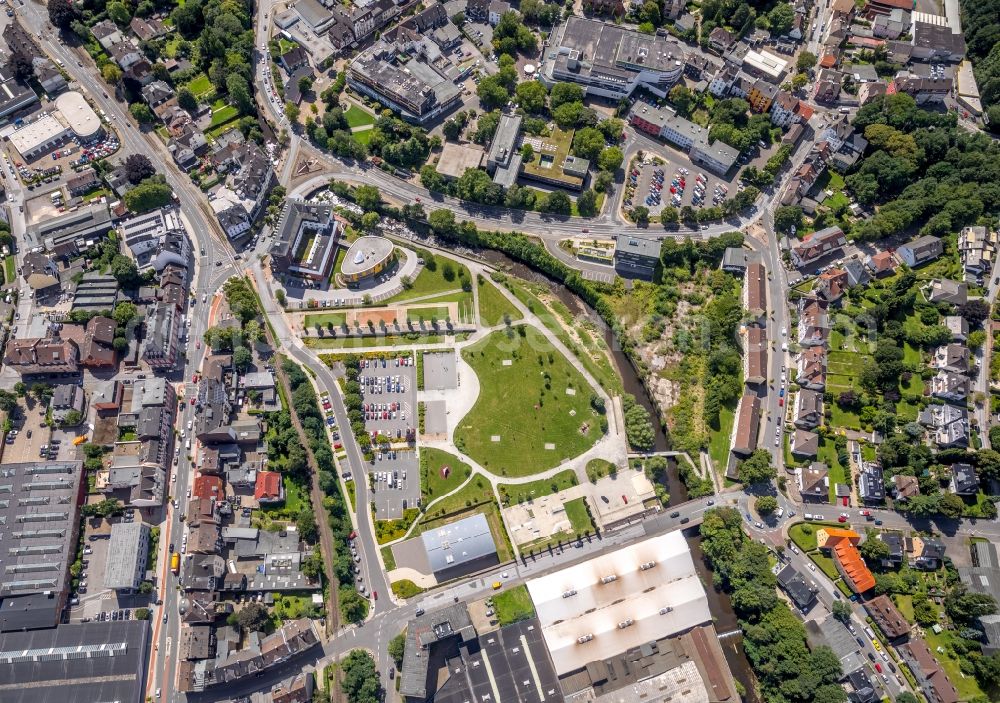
[666, 124]
[844, 10]
[612, 61]
[843, 545]
[964, 481]
[958, 327]
[951, 357]
[157, 93]
[762, 95]
[40, 272]
[737, 259]
[888, 618]
[894, 541]
[924, 89]
[755, 355]
[421, 92]
[159, 349]
[924, 552]
[747, 425]
[804, 444]
[812, 368]
[827, 242]
[881, 263]
[125, 567]
[948, 425]
[784, 109]
[107, 34]
[869, 91]
[977, 246]
[755, 289]
[871, 484]
[66, 398]
[837, 132]
[904, 487]
[15, 95]
[814, 322]
[808, 409]
[813, 482]
[296, 57]
[947, 291]
[125, 53]
[951, 386]
[932, 679]
[892, 25]
[862, 690]
[831, 285]
[857, 273]
[147, 29]
[83, 182]
[920, 251]
[636, 257]
[720, 39]
[269, 488]
[42, 355]
[797, 587]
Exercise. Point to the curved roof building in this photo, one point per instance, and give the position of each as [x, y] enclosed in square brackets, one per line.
[79, 115]
[367, 257]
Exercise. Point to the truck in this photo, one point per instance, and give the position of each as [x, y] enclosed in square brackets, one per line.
[175, 563]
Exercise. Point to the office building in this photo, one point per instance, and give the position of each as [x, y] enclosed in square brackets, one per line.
[127, 554]
[307, 240]
[636, 257]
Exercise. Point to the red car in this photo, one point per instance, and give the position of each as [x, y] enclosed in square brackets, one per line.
[878, 667]
[375, 595]
[781, 402]
[842, 519]
[192, 401]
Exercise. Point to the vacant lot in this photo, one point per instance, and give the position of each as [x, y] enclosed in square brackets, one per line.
[533, 410]
[513, 605]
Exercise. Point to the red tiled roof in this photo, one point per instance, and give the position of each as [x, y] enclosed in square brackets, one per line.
[268, 485]
[208, 487]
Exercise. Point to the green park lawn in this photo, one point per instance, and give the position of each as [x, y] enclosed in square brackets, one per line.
[599, 468]
[512, 493]
[364, 342]
[326, 319]
[431, 282]
[718, 440]
[224, 114]
[494, 307]
[433, 484]
[427, 314]
[356, 117]
[513, 605]
[526, 405]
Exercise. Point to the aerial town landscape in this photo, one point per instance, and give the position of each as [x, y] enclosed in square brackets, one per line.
[499, 351]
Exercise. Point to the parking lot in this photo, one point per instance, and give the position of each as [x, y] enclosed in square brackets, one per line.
[399, 465]
[29, 440]
[657, 186]
[389, 404]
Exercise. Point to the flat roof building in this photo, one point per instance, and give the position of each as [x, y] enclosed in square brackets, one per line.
[504, 159]
[73, 232]
[307, 240]
[127, 555]
[79, 116]
[77, 663]
[765, 64]
[636, 257]
[612, 61]
[616, 601]
[460, 548]
[456, 159]
[40, 519]
[367, 257]
[39, 137]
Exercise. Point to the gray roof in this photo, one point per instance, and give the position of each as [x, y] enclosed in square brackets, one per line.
[39, 510]
[126, 549]
[638, 246]
[423, 632]
[504, 139]
[87, 222]
[796, 586]
[79, 663]
[457, 543]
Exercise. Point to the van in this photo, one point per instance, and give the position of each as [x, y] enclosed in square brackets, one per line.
[808, 516]
[779, 512]
[845, 110]
[871, 635]
[187, 444]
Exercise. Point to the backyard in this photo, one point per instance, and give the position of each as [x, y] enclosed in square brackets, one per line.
[546, 421]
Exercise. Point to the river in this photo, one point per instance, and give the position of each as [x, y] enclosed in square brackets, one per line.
[718, 602]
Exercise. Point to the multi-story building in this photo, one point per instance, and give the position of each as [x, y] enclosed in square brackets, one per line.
[666, 124]
[824, 243]
[636, 257]
[611, 61]
[920, 251]
[784, 109]
[420, 91]
[814, 322]
[977, 247]
[125, 567]
[762, 95]
[306, 243]
[159, 349]
[42, 355]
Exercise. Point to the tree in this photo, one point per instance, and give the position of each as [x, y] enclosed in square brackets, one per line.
[353, 606]
[442, 223]
[104, 508]
[873, 549]
[531, 96]
[151, 193]
[61, 13]
[187, 100]
[291, 111]
[757, 468]
[251, 618]
[588, 143]
[242, 358]
[638, 426]
[975, 311]
[964, 606]
[396, 649]
[781, 17]
[361, 678]
[841, 610]
[610, 159]
[586, 203]
[370, 220]
[603, 181]
[8, 401]
[367, 197]
[119, 13]
[125, 270]
[787, 217]
[141, 112]
[766, 505]
[492, 93]
[683, 98]
[805, 61]
[558, 203]
[568, 115]
[138, 168]
[124, 313]
[640, 214]
[72, 418]
[565, 93]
